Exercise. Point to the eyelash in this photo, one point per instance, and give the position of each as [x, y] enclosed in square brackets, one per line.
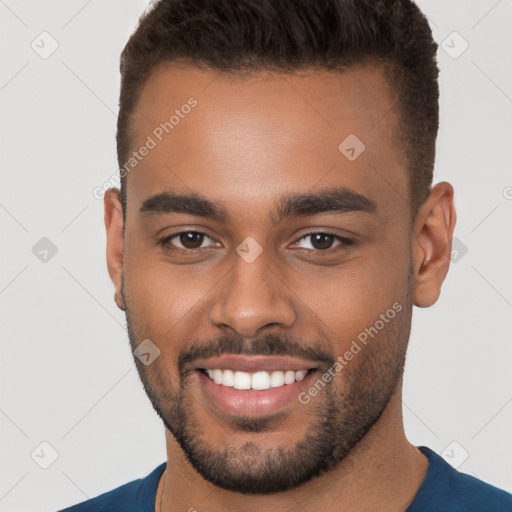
[344, 242]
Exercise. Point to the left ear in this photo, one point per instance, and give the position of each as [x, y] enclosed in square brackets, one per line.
[432, 244]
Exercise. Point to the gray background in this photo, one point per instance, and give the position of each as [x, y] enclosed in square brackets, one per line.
[67, 376]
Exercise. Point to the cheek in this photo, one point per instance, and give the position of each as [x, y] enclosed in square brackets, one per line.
[164, 300]
[350, 299]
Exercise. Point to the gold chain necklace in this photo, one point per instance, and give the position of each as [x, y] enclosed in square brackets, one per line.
[163, 489]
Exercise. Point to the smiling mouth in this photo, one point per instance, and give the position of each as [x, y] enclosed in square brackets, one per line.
[259, 381]
[252, 386]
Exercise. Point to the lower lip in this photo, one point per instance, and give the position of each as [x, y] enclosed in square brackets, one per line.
[252, 403]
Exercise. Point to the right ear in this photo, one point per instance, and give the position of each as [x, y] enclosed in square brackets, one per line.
[114, 227]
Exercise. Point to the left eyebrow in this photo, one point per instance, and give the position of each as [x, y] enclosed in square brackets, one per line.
[333, 200]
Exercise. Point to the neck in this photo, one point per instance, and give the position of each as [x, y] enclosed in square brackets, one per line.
[382, 472]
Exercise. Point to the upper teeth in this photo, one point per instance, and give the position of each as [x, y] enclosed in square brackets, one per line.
[259, 380]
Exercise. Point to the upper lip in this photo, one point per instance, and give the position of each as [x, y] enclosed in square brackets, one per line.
[251, 364]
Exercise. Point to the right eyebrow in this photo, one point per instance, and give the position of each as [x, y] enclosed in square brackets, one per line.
[169, 202]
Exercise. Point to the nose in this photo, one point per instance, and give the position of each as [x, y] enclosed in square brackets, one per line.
[253, 297]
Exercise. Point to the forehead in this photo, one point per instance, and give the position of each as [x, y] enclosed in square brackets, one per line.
[227, 134]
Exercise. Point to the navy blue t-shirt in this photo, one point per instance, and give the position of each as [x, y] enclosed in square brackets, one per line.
[443, 490]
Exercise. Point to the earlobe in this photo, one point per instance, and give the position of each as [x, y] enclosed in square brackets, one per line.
[432, 244]
[113, 216]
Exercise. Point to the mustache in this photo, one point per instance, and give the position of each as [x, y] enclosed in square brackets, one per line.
[269, 344]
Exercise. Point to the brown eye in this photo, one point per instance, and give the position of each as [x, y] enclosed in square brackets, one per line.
[323, 242]
[186, 241]
[191, 239]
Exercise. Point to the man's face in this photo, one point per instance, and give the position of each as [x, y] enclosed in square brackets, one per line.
[285, 250]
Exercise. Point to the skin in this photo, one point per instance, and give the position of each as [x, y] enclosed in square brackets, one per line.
[248, 142]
